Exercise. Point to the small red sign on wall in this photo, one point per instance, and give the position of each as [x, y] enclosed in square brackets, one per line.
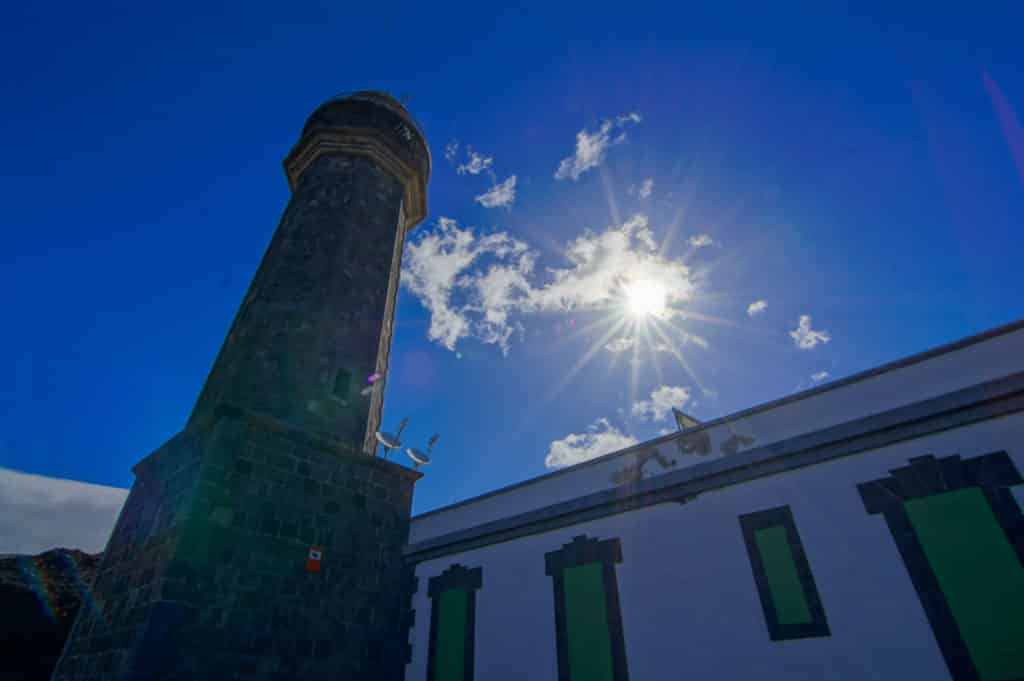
[313, 559]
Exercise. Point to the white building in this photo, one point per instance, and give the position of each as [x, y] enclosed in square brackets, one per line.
[866, 529]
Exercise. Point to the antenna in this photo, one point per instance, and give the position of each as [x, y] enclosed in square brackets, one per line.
[389, 441]
[420, 457]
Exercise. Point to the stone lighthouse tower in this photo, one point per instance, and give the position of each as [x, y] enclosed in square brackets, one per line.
[264, 540]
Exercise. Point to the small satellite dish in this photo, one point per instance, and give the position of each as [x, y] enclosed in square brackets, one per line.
[420, 457]
[389, 441]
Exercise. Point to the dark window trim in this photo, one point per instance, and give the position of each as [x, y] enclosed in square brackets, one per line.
[580, 551]
[456, 577]
[410, 584]
[927, 476]
[777, 631]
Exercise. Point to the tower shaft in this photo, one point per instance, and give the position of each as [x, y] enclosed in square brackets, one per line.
[316, 321]
[207, 574]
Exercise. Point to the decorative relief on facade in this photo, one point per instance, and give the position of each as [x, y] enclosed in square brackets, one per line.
[636, 471]
[735, 443]
[697, 442]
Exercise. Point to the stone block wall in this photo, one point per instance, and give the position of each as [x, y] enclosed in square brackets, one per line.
[316, 321]
[228, 596]
[110, 625]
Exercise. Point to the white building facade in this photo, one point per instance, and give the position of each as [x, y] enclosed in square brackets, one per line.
[866, 529]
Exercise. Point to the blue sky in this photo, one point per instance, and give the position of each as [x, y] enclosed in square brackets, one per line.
[864, 170]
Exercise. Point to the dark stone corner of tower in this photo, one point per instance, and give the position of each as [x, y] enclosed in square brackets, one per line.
[373, 124]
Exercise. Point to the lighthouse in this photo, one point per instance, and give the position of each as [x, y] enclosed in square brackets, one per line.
[207, 572]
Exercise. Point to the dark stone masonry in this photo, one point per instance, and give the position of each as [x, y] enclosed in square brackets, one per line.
[207, 572]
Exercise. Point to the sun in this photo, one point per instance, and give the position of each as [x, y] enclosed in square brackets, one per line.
[645, 298]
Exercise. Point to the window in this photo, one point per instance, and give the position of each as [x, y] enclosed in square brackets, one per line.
[961, 535]
[782, 575]
[342, 384]
[588, 620]
[452, 623]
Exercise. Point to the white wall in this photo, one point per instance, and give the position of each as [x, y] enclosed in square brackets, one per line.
[984, 361]
[690, 607]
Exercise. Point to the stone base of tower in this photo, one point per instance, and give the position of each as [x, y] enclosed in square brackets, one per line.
[205, 575]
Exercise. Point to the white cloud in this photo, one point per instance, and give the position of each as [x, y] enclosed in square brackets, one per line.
[600, 438]
[805, 337]
[819, 376]
[502, 194]
[451, 150]
[685, 338]
[476, 163]
[481, 286]
[701, 240]
[434, 267]
[39, 513]
[621, 344]
[497, 292]
[603, 264]
[756, 308]
[646, 187]
[591, 147]
[663, 399]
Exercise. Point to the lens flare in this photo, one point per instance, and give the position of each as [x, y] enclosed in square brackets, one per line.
[645, 298]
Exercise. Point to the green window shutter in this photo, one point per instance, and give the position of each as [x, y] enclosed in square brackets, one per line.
[586, 612]
[980, 575]
[450, 651]
[452, 623]
[960, 533]
[782, 575]
[589, 639]
[784, 586]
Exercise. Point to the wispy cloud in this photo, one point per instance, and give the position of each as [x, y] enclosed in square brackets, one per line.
[592, 145]
[756, 308]
[807, 338]
[621, 344]
[685, 338]
[661, 403]
[819, 376]
[475, 163]
[484, 287]
[701, 241]
[600, 438]
[502, 194]
[646, 188]
[38, 513]
[451, 151]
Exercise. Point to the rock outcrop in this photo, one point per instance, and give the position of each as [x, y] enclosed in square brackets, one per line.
[39, 598]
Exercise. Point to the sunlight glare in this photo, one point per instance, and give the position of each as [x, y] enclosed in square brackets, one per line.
[645, 298]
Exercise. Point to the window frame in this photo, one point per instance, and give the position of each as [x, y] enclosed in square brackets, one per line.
[466, 579]
[583, 550]
[782, 516]
[925, 476]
